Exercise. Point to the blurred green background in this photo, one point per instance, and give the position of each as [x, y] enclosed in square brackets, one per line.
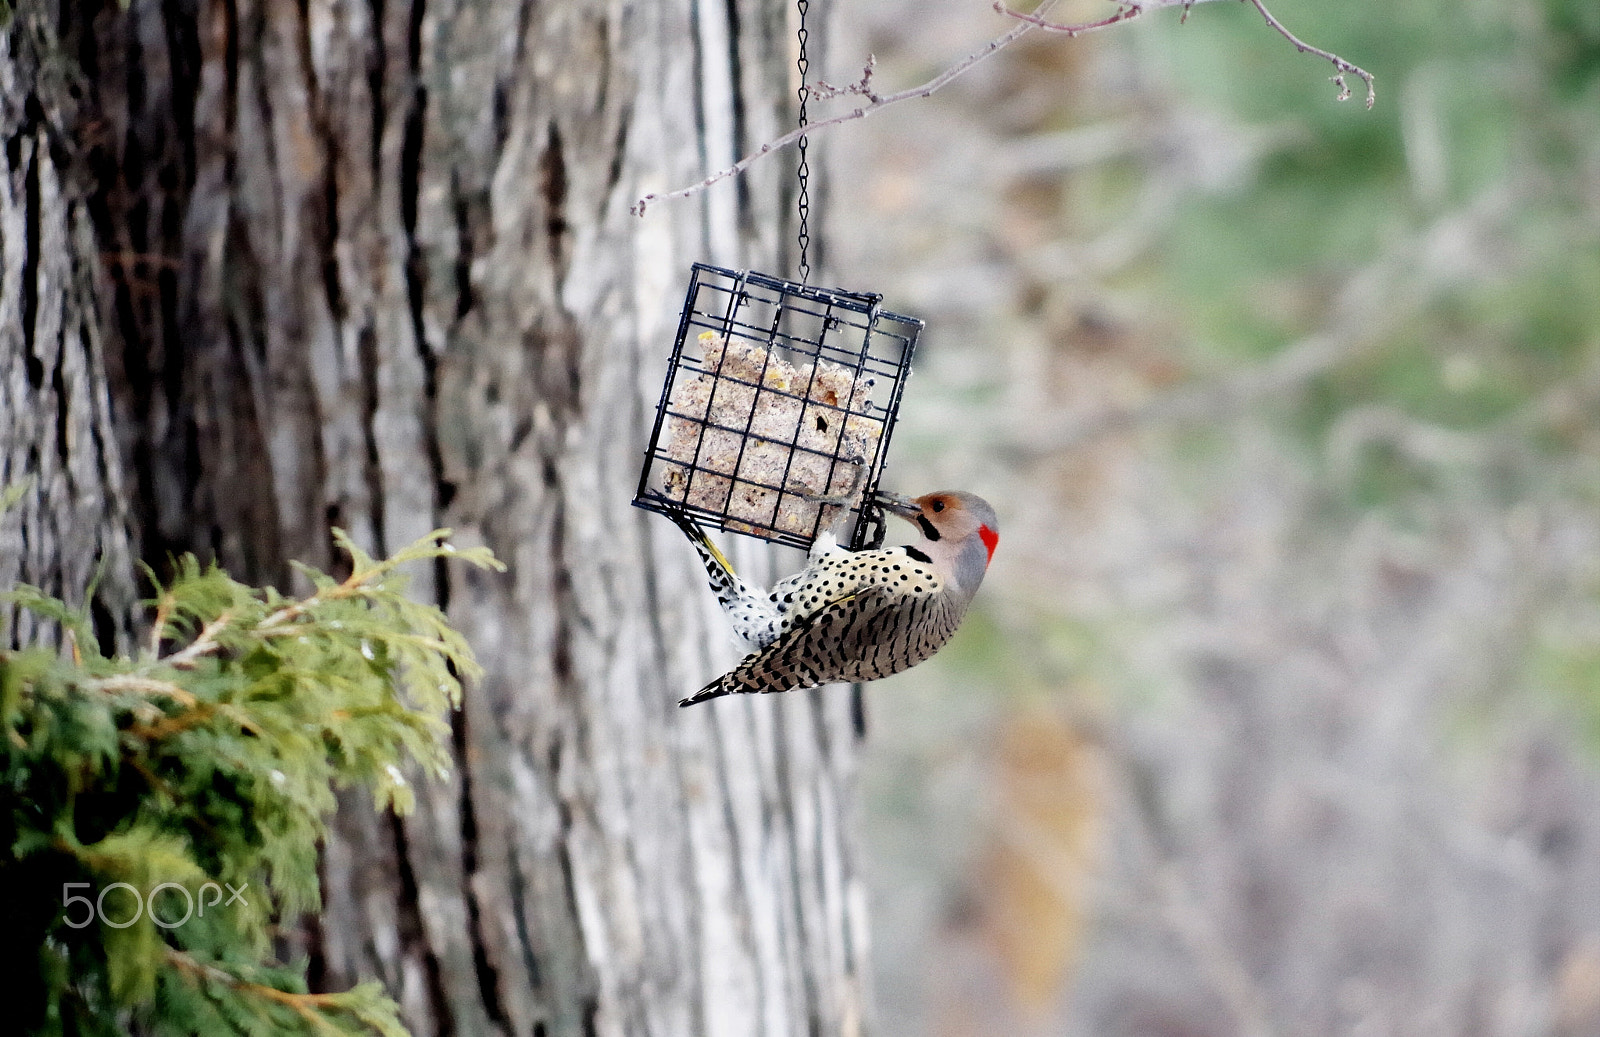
[1280, 712]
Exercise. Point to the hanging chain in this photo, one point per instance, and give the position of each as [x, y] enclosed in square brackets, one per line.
[804, 173]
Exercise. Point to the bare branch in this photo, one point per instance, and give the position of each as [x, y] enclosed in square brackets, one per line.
[1344, 67]
[204, 643]
[877, 102]
[1133, 8]
[146, 686]
[1127, 11]
[1130, 11]
[825, 91]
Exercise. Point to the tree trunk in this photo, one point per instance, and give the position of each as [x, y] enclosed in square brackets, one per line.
[375, 268]
[63, 513]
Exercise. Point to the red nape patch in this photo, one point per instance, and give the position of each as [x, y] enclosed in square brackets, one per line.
[990, 538]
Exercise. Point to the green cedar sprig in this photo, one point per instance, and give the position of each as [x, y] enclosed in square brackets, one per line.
[211, 757]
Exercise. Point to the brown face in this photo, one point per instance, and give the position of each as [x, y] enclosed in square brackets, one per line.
[948, 515]
[959, 516]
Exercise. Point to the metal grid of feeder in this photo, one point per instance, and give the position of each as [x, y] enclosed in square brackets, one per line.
[776, 394]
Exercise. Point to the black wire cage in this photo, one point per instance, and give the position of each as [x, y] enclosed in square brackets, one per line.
[777, 409]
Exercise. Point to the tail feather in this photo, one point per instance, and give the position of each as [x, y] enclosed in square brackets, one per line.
[798, 659]
[724, 581]
[740, 682]
[716, 689]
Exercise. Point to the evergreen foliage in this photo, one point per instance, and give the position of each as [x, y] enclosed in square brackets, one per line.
[209, 762]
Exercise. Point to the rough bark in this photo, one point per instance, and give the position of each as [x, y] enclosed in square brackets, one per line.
[65, 530]
[372, 266]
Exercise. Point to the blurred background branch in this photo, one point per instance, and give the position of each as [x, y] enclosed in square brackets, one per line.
[1291, 412]
[862, 86]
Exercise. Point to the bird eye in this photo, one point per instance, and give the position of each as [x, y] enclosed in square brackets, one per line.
[937, 506]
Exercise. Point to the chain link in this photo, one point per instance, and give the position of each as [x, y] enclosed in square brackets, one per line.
[803, 204]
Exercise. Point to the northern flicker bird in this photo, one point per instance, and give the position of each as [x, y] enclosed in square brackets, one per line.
[854, 615]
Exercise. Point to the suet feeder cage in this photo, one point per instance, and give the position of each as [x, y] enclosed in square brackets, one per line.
[778, 404]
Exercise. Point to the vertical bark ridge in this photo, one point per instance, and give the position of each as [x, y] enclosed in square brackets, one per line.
[553, 189]
[367, 354]
[488, 975]
[800, 875]
[65, 528]
[413, 933]
[26, 162]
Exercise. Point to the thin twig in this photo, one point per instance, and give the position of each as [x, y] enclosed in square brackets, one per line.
[308, 1006]
[167, 726]
[145, 686]
[354, 585]
[158, 627]
[204, 644]
[877, 102]
[826, 91]
[1131, 9]
[1129, 12]
[1344, 67]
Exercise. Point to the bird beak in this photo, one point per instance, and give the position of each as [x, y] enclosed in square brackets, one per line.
[901, 505]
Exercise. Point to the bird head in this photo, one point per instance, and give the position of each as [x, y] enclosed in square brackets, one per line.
[959, 531]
